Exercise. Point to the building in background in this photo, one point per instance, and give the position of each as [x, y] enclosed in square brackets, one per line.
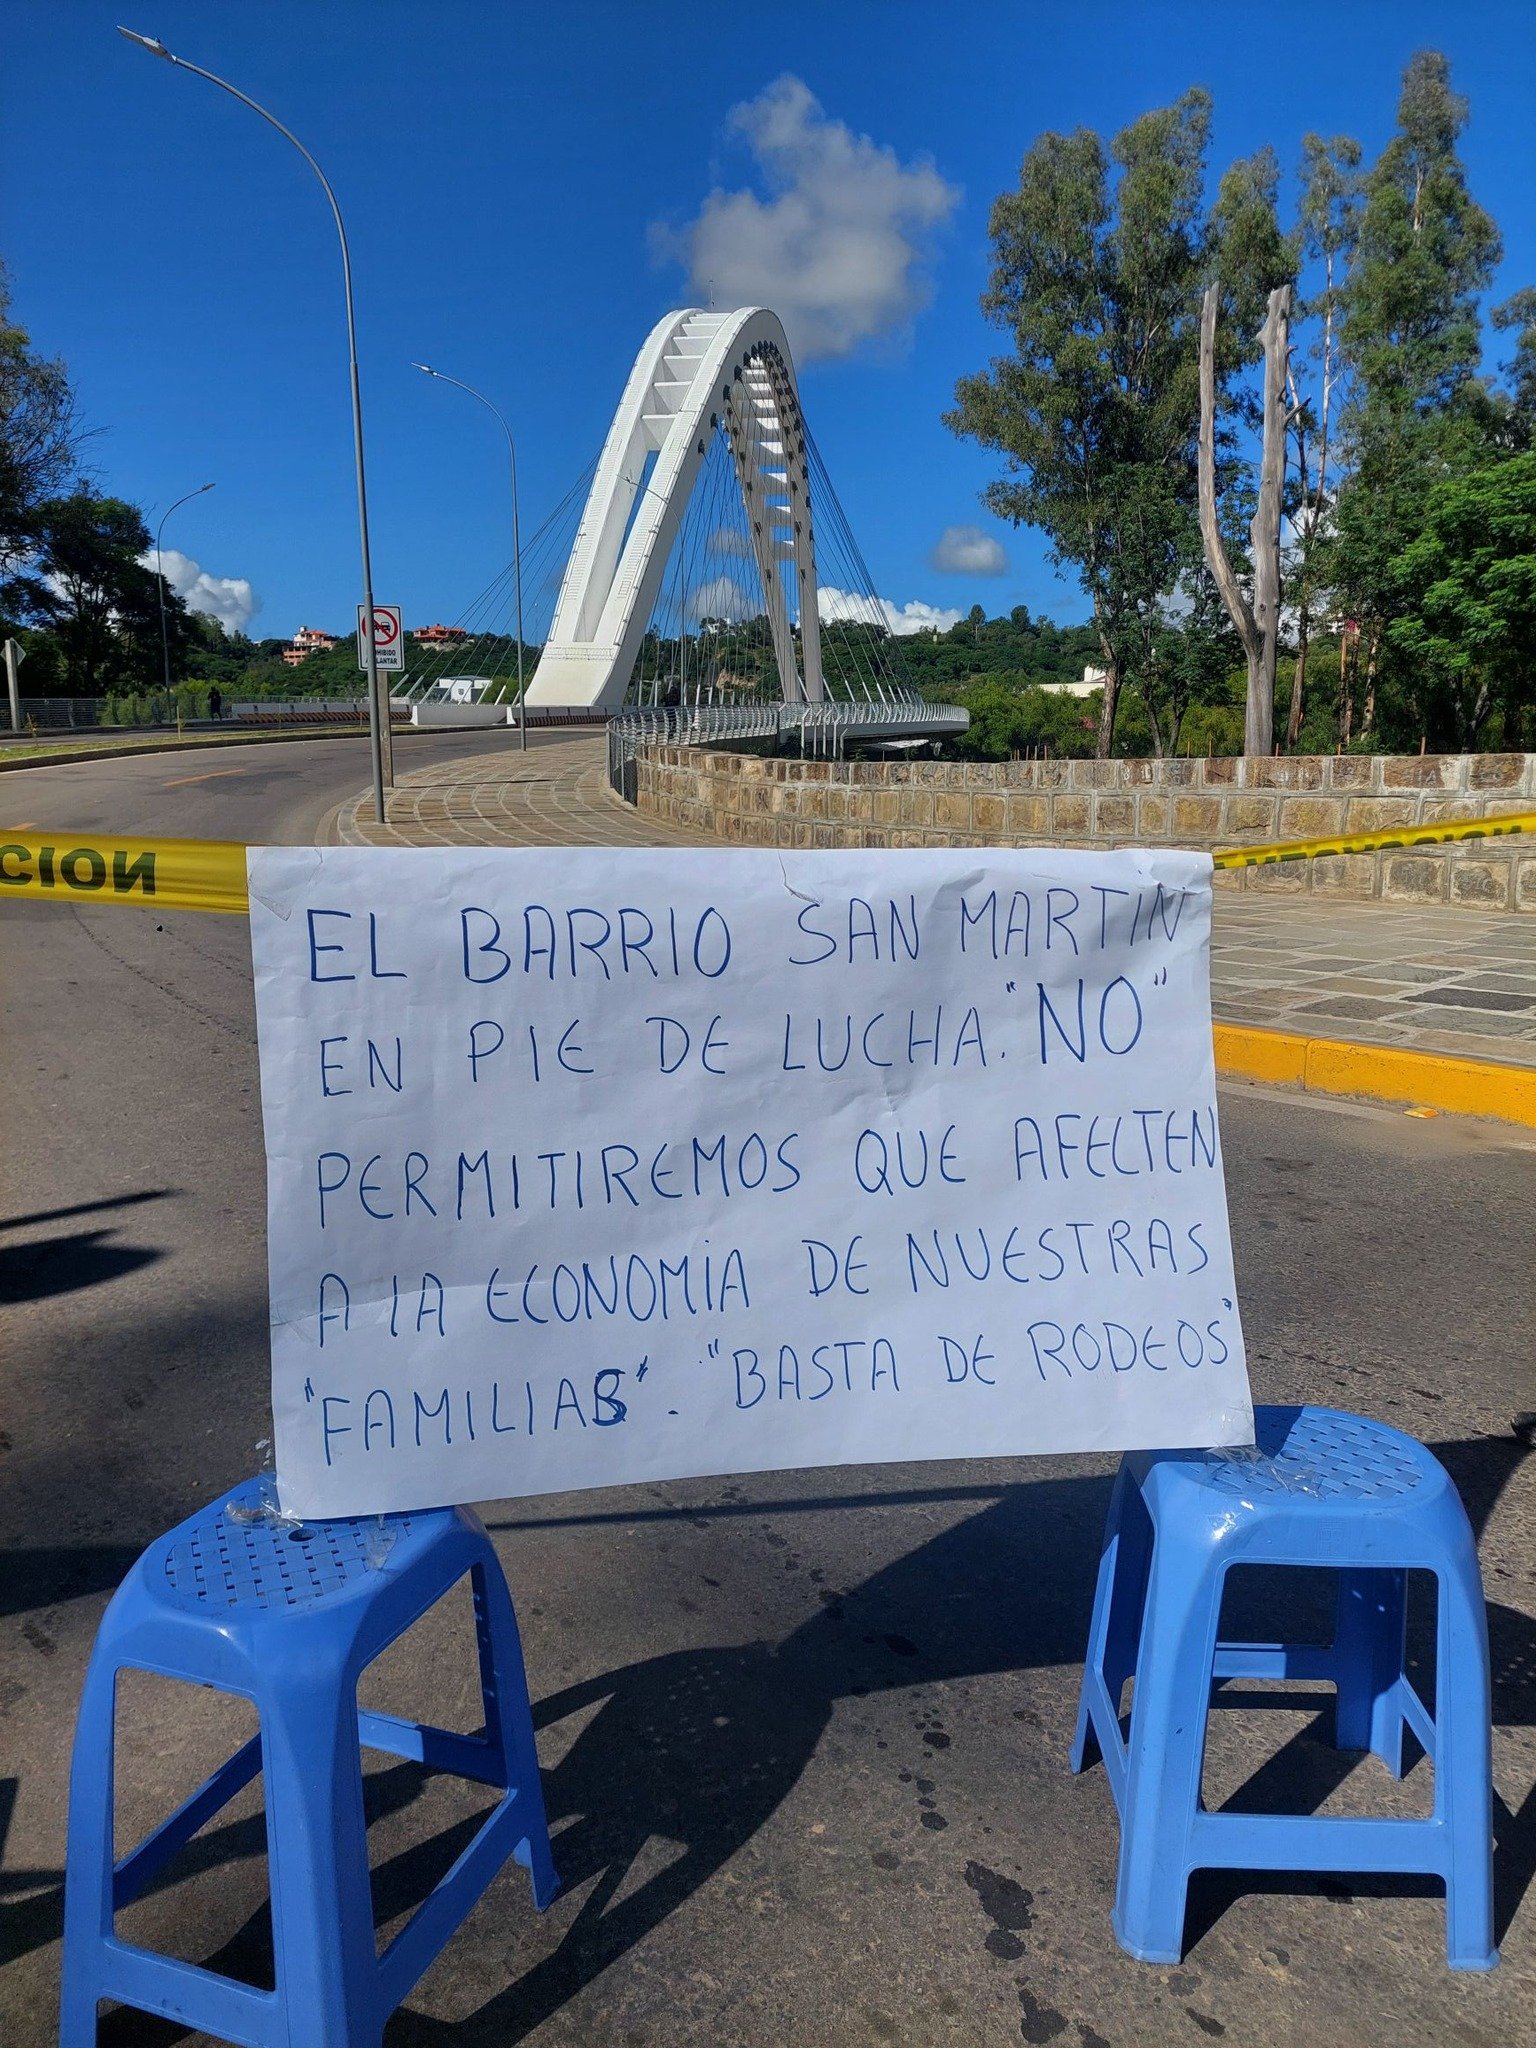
[1093, 679]
[308, 640]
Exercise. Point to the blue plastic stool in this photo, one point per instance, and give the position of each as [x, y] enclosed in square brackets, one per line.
[290, 1621]
[1322, 1489]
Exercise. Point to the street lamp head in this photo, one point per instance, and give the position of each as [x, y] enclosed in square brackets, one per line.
[426, 368]
[155, 49]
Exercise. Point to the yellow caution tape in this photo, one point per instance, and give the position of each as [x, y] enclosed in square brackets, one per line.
[1377, 842]
[209, 874]
[155, 874]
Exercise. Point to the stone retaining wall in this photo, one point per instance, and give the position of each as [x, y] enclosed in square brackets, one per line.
[750, 801]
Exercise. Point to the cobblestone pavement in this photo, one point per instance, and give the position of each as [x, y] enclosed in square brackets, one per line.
[1438, 980]
[554, 795]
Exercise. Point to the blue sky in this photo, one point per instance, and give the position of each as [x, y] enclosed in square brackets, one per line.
[518, 184]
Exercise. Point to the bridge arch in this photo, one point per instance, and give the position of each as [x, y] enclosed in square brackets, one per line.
[698, 373]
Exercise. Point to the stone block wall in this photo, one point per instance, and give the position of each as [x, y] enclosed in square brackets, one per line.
[747, 800]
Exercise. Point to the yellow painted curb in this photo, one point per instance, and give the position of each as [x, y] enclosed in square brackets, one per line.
[1380, 1073]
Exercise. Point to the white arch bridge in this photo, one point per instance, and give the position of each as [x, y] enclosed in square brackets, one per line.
[697, 580]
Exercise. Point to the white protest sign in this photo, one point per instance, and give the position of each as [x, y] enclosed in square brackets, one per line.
[590, 1167]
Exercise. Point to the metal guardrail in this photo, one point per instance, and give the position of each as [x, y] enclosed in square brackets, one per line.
[60, 711]
[822, 729]
[306, 711]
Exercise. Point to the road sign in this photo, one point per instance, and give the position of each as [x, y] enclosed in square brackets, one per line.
[388, 640]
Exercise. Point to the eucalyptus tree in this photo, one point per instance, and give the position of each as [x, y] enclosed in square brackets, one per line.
[1518, 316]
[1097, 261]
[1327, 227]
[1416, 411]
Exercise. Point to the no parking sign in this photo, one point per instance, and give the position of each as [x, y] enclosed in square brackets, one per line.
[388, 640]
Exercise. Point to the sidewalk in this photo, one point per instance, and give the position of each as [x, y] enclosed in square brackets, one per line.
[1432, 980]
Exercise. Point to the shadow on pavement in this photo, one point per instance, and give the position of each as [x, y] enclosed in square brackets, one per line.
[700, 1747]
[62, 1265]
[43, 1577]
[87, 1208]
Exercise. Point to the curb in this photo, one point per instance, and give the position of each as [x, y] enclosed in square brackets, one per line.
[65, 756]
[1378, 1073]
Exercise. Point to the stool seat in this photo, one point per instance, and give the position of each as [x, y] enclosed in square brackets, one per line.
[233, 1554]
[1318, 1453]
[289, 1616]
[1318, 1488]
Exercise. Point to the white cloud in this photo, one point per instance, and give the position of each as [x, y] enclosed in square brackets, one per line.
[726, 540]
[967, 551]
[836, 247]
[229, 599]
[722, 597]
[899, 620]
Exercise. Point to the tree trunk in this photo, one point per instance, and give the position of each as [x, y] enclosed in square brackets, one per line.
[1111, 702]
[1349, 641]
[1264, 531]
[1298, 681]
[1210, 526]
[1372, 658]
[1106, 738]
[1157, 731]
[1258, 626]
[1148, 672]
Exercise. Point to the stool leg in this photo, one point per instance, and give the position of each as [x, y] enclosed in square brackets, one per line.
[509, 1719]
[1368, 1649]
[89, 1859]
[322, 1897]
[1167, 1751]
[1116, 1625]
[1464, 1764]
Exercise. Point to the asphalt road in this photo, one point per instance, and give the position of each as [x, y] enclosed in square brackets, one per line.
[804, 1735]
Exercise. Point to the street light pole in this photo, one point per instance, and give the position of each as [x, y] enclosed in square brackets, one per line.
[165, 645]
[517, 545]
[379, 734]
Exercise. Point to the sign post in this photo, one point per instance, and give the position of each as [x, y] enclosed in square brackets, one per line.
[380, 637]
[15, 655]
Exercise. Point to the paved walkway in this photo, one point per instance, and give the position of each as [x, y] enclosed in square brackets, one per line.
[553, 795]
[1435, 979]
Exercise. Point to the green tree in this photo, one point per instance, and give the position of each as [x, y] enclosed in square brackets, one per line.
[1008, 721]
[91, 591]
[1250, 256]
[1464, 589]
[1518, 315]
[1328, 227]
[1195, 655]
[1411, 333]
[39, 443]
[1098, 258]
[1254, 265]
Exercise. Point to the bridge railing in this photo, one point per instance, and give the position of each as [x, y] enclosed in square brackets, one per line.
[822, 729]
